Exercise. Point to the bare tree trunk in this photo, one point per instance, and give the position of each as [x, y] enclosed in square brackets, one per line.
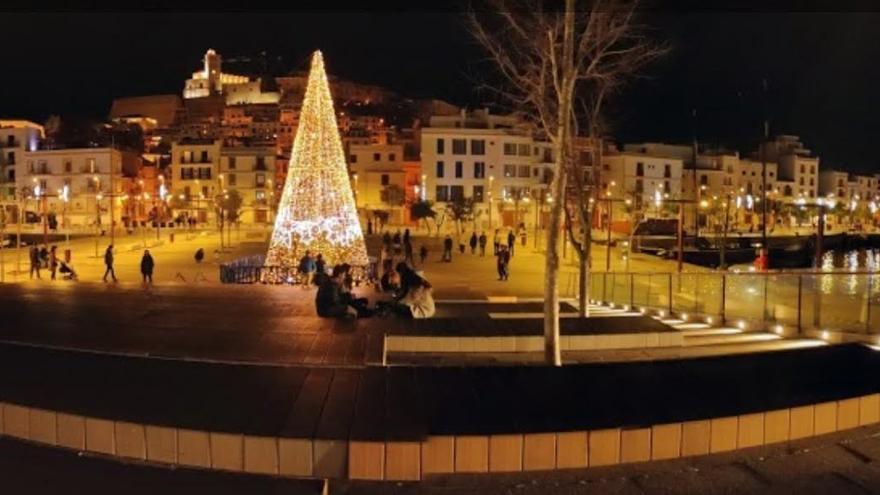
[552, 351]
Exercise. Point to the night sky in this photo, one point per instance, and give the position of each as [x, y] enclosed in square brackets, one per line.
[821, 68]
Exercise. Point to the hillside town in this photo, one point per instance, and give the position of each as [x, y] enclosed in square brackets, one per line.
[163, 159]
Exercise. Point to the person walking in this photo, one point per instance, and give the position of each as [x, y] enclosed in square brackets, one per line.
[320, 266]
[108, 262]
[53, 261]
[511, 242]
[407, 251]
[503, 259]
[447, 249]
[44, 257]
[496, 240]
[423, 254]
[482, 241]
[473, 242]
[406, 236]
[34, 255]
[147, 265]
[306, 269]
[460, 245]
[386, 238]
[396, 240]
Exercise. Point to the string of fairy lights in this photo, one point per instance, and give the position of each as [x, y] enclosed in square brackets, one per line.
[317, 210]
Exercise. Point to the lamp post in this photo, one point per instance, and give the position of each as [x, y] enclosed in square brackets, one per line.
[491, 181]
[65, 198]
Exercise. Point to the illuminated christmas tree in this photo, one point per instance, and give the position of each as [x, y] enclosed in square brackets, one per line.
[317, 210]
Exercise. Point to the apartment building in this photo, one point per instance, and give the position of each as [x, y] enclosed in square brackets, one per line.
[490, 159]
[194, 177]
[92, 179]
[251, 172]
[16, 138]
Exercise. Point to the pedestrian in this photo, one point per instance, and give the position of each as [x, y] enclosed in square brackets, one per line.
[423, 254]
[406, 236]
[34, 255]
[306, 269]
[407, 251]
[511, 242]
[147, 265]
[473, 242]
[503, 259]
[482, 241]
[53, 261]
[386, 238]
[396, 240]
[320, 265]
[108, 262]
[460, 245]
[496, 240]
[447, 249]
[369, 227]
[44, 257]
[522, 234]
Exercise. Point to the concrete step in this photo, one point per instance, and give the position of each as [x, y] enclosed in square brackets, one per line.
[739, 338]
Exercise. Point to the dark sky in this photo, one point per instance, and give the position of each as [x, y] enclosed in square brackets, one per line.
[821, 68]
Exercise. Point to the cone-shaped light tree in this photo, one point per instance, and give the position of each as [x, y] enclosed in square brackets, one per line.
[317, 210]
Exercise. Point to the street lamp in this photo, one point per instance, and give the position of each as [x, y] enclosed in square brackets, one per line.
[65, 198]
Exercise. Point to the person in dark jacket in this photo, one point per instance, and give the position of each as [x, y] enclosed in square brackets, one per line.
[108, 262]
[34, 255]
[482, 241]
[328, 300]
[147, 265]
[511, 242]
[447, 249]
[53, 261]
[473, 242]
[423, 254]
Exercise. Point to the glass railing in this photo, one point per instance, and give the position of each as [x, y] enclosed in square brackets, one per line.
[840, 301]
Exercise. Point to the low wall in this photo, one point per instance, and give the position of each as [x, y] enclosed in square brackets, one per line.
[416, 460]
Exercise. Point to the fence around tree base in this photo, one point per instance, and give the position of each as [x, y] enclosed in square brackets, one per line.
[253, 270]
[838, 301]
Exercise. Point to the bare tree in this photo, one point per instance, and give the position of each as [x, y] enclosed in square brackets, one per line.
[546, 57]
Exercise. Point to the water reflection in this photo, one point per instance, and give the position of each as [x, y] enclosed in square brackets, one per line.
[855, 260]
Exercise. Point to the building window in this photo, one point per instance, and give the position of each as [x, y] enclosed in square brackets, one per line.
[441, 146]
[478, 194]
[440, 169]
[392, 157]
[459, 168]
[812, 169]
[260, 180]
[803, 168]
[231, 180]
[478, 147]
[811, 181]
[68, 165]
[524, 150]
[456, 193]
[667, 170]
[524, 171]
[260, 197]
[205, 173]
[479, 170]
[442, 193]
[640, 169]
[510, 170]
[205, 157]
[510, 149]
[385, 179]
[666, 186]
[261, 163]
[459, 146]
[787, 191]
[186, 157]
[353, 159]
[704, 180]
[10, 158]
[231, 163]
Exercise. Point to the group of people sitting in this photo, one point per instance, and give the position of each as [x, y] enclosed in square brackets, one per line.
[404, 293]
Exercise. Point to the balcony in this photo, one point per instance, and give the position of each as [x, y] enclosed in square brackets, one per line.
[10, 144]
